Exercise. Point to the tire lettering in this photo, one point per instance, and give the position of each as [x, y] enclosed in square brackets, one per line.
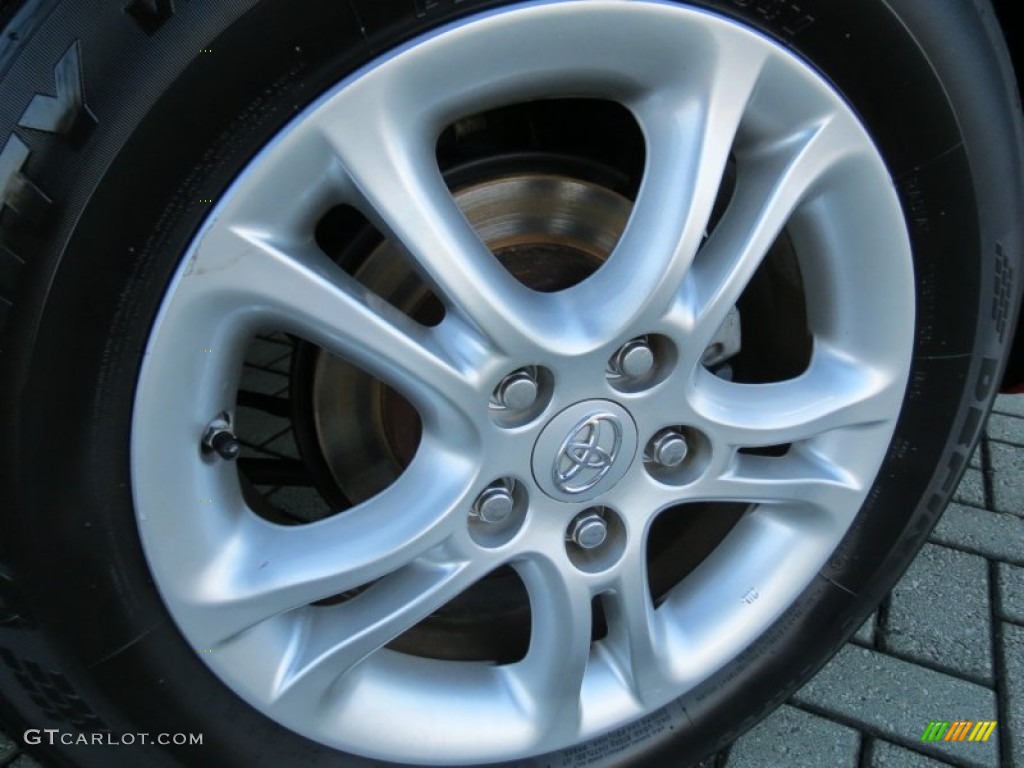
[17, 192]
[953, 469]
[789, 17]
[608, 749]
[984, 388]
[52, 692]
[1003, 291]
[67, 113]
[423, 7]
[986, 379]
[915, 203]
[972, 424]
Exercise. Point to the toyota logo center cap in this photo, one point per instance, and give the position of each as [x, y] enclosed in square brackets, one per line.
[584, 450]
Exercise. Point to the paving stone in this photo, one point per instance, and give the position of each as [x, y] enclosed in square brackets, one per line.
[866, 633]
[257, 427]
[1012, 721]
[282, 364]
[263, 352]
[284, 445]
[254, 453]
[302, 503]
[796, 739]
[993, 534]
[975, 461]
[263, 382]
[1007, 478]
[939, 613]
[971, 489]
[896, 700]
[882, 754]
[1011, 591]
[1011, 404]
[1008, 429]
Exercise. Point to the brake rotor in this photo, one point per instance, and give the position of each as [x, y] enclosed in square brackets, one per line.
[549, 231]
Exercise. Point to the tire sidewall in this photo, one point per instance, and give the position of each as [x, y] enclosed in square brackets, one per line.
[176, 124]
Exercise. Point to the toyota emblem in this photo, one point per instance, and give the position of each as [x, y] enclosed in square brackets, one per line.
[588, 453]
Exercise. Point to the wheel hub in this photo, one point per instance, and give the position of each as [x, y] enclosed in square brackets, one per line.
[584, 450]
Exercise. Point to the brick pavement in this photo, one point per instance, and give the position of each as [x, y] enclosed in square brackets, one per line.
[946, 644]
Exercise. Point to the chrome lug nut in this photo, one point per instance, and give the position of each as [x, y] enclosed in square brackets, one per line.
[494, 505]
[589, 531]
[668, 448]
[517, 391]
[634, 359]
[221, 440]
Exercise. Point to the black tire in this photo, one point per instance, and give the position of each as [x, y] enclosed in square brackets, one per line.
[100, 192]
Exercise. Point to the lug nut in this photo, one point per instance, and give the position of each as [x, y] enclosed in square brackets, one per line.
[589, 531]
[517, 391]
[221, 440]
[668, 448]
[634, 359]
[494, 505]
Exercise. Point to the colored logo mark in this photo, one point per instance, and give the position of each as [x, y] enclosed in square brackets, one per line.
[958, 730]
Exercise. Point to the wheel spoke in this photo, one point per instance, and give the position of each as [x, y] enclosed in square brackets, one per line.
[265, 569]
[634, 635]
[393, 172]
[775, 179]
[689, 140]
[247, 278]
[550, 678]
[834, 393]
[800, 478]
[336, 639]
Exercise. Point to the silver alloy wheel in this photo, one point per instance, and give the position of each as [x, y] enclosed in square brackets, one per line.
[701, 88]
